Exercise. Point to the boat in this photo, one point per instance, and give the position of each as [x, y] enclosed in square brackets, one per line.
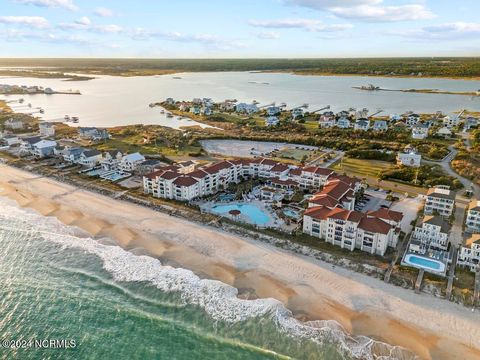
[21, 100]
[162, 111]
[368, 87]
[41, 111]
[179, 118]
[169, 115]
[151, 105]
[75, 119]
[177, 77]
[29, 105]
[66, 118]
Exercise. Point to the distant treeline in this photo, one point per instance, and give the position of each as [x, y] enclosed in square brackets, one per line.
[434, 67]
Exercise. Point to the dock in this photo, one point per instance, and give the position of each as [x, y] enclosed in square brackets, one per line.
[451, 274]
[476, 292]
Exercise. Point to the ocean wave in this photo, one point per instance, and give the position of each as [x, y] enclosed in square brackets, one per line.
[219, 300]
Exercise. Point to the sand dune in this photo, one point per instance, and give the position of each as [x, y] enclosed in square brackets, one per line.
[313, 290]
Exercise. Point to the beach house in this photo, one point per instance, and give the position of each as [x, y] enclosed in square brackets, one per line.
[43, 148]
[472, 221]
[343, 123]
[380, 125]
[11, 140]
[244, 108]
[72, 154]
[46, 129]
[271, 121]
[90, 158]
[409, 157]
[93, 133]
[412, 120]
[26, 144]
[273, 110]
[469, 255]
[420, 131]
[440, 200]
[111, 159]
[432, 233]
[131, 161]
[362, 124]
[14, 124]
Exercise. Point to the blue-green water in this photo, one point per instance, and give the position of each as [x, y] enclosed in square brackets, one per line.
[117, 305]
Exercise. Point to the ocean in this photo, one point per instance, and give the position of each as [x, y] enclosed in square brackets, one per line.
[58, 284]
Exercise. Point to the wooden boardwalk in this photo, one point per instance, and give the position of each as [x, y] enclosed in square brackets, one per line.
[418, 283]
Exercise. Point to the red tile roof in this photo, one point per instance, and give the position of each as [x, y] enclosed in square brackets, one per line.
[296, 172]
[199, 174]
[212, 169]
[317, 212]
[284, 182]
[324, 199]
[387, 214]
[185, 181]
[318, 170]
[374, 225]
[279, 168]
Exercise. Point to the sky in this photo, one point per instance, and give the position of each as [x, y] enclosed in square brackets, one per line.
[239, 28]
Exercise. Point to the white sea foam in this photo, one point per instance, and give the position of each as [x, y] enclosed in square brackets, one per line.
[219, 300]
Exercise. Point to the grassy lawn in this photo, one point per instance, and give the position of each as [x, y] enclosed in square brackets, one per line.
[361, 167]
[295, 154]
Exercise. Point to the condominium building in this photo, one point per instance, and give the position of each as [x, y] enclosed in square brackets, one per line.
[432, 233]
[472, 220]
[469, 255]
[440, 200]
[350, 229]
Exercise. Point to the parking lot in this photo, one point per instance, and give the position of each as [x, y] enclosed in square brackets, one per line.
[373, 200]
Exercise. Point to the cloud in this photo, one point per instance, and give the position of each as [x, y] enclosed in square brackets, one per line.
[103, 12]
[306, 24]
[85, 24]
[369, 13]
[367, 10]
[328, 4]
[83, 21]
[268, 35]
[448, 31]
[37, 22]
[65, 4]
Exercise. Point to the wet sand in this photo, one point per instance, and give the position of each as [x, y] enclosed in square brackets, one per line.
[432, 328]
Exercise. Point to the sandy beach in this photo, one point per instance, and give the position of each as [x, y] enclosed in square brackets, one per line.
[432, 328]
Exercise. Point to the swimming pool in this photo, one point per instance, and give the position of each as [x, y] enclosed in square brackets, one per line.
[115, 176]
[291, 213]
[425, 263]
[254, 214]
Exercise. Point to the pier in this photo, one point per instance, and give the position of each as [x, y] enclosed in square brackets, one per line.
[418, 283]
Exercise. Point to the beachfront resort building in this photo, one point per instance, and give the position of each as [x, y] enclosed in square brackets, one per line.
[431, 233]
[469, 255]
[46, 129]
[172, 183]
[338, 191]
[440, 200]
[472, 220]
[349, 229]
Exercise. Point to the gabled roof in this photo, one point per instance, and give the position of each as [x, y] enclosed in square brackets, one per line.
[374, 225]
[474, 205]
[295, 172]
[91, 153]
[199, 174]
[387, 214]
[325, 200]
[318, 170]
[32, 140]
[317, 212]
[134, 157]
[279, 167]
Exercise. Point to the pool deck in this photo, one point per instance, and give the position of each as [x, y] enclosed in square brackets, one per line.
[274, 222]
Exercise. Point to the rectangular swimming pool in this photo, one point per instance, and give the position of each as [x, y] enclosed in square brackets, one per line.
[422, 262]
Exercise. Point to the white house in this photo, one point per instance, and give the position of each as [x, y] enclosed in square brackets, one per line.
[43, 148]
[131, 161]
[72, 154]
[26, 144]
[111, 159]
[469, 255]
[11, 140]
[327, 119]
[451, 121]
[93, 133]
[420, 131]
[433, 232]
[440, 200]
[362, 124]
[271, 121]
[472, 220]
[343, 123]
[46, 129]
[14, 124]
[297, 112]
[246, 108]
[380, 125]
[444, 131]
[409, 158]
[412, 120]
[90, 158]
[273, 110]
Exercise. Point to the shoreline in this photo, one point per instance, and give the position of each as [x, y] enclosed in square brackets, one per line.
[317, 290]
